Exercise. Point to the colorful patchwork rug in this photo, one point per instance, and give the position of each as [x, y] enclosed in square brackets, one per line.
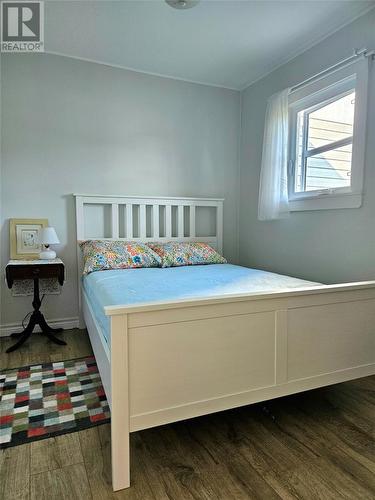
[46, 400]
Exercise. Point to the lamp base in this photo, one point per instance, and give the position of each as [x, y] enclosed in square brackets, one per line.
[47, 255]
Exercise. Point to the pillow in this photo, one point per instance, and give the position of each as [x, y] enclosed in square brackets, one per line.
[99, 255]
[186, 254]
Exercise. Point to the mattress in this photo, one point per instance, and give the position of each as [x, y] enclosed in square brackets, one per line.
[145, 285]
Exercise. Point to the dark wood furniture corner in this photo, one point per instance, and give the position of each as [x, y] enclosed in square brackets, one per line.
[35, 271]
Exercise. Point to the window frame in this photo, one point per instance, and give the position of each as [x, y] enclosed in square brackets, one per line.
[313, 96]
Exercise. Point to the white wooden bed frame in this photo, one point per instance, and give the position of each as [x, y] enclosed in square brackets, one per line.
[180, 359]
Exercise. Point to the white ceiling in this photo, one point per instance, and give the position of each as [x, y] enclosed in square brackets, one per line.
[228, 43]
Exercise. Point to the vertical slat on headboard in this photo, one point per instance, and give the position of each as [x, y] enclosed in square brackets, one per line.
[192, 222]
[115, 221]
[142, 221]
[129, 220]
[219, 226]
[168, 221]
[155, 221]
[180, 221]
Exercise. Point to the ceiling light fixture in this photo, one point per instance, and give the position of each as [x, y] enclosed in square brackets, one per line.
[182, 4]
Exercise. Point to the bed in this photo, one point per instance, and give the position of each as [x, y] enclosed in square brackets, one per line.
[177, 343]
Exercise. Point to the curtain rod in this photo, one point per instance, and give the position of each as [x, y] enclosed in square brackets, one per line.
[357, 54]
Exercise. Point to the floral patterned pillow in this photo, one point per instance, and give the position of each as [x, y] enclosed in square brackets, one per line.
[99, 255]
[186, 254]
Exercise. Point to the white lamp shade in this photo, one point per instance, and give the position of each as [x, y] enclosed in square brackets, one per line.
[48, 236]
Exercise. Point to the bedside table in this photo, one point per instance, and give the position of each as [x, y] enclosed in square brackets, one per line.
[35, 270]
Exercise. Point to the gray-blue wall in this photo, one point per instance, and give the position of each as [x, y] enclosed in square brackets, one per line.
[326, 245]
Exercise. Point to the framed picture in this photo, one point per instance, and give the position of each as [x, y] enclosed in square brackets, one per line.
[24, 238]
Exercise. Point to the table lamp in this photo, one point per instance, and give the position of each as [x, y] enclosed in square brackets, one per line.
[47, 237]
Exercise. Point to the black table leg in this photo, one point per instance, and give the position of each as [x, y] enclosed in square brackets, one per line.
[46, 329]
[17, 334]
[36, 318]
[24, 336]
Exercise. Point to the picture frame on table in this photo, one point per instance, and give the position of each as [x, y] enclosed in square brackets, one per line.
[24, 238]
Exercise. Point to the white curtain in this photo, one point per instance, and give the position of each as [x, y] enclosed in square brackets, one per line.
[273, 189]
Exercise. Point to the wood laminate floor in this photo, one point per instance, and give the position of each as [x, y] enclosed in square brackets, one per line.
[315, 445]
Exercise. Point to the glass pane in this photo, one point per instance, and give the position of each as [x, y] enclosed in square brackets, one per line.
[330, 169]
[322, 127]
[332, 122]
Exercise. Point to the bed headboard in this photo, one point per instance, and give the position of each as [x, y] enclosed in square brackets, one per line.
[141, 218]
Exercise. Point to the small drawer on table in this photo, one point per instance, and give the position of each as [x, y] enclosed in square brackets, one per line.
[24, 272]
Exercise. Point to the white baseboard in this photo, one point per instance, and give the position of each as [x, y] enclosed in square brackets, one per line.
[66, 323]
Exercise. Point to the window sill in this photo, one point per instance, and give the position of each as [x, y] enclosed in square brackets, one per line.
[326, 202]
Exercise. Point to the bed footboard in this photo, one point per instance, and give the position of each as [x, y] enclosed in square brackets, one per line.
[175, 361]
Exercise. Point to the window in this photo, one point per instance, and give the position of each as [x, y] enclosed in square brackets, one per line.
[327, 139]
[324, 145]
